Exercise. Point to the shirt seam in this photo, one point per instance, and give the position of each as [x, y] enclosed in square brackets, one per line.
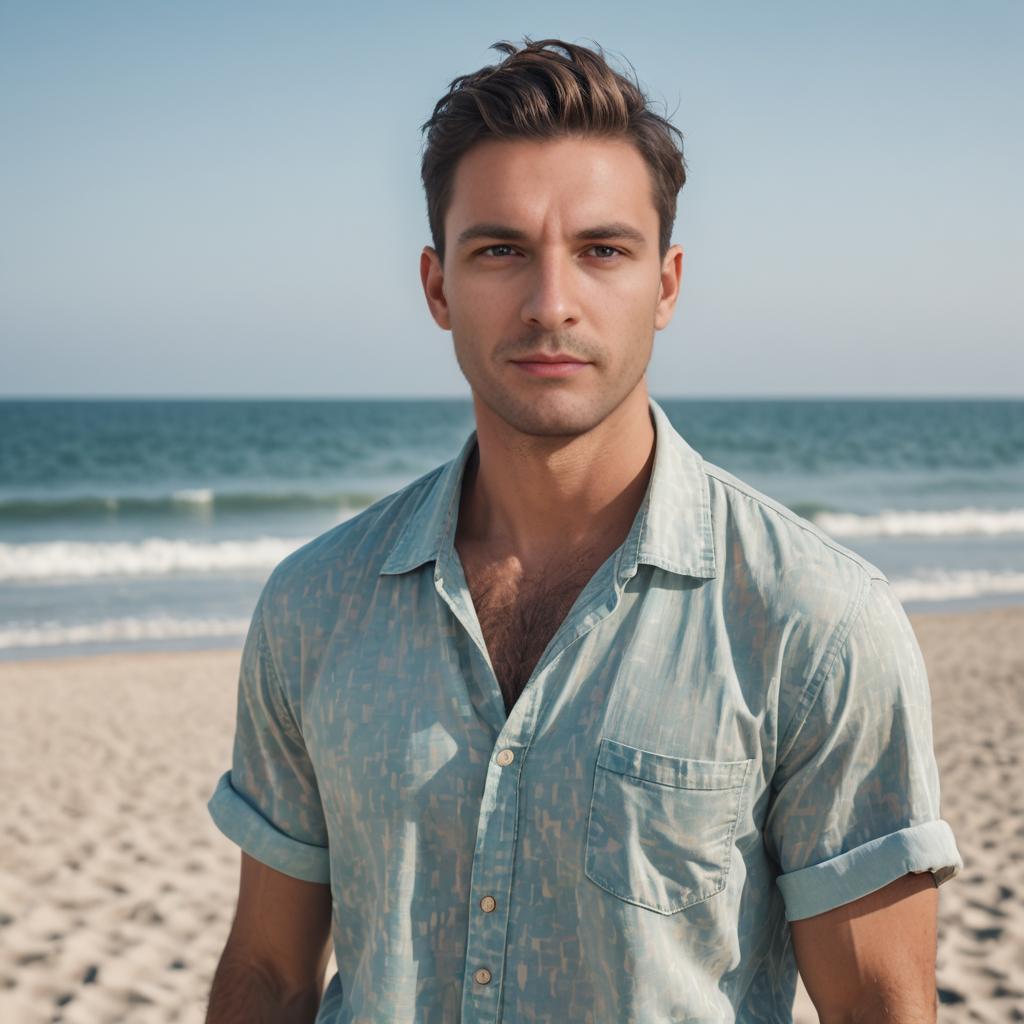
[836, 645]
[791, 517]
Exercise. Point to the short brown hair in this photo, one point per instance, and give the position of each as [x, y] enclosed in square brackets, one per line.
[539, 93]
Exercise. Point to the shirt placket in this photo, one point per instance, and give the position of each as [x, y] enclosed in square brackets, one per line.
[491, 883]
[495, 850]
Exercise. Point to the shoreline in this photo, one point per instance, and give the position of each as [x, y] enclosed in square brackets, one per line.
[213, 645]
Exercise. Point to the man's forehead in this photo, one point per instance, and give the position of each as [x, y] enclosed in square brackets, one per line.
[582, 184]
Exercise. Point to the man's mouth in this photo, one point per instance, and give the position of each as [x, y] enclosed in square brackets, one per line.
[545, 364]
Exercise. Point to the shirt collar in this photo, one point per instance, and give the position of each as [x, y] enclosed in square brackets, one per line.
[672, 527]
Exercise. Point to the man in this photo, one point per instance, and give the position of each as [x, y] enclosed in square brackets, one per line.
[576, 727]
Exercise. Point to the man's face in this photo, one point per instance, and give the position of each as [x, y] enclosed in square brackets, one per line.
[552, 250]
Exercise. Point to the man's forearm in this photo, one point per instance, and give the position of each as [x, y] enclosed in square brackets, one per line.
[243, 993]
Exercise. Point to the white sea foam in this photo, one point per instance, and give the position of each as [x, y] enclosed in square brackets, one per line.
[939, 585]
[156, 556]
[199, 496]
[959, 522]
[53, 634]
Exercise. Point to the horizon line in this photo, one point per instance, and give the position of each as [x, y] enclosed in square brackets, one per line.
[256, 397]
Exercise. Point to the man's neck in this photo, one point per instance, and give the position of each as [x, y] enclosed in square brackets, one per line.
[537, 500]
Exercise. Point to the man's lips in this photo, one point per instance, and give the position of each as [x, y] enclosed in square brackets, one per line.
[541, 364]
[547, 357]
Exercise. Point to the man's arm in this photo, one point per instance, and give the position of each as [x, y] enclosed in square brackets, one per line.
[873, 959]
[272, 967]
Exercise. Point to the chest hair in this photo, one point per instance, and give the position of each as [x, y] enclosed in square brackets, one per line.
[519, 615]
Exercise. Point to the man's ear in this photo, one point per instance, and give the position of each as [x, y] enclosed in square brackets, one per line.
[432, 276]
[671, 275]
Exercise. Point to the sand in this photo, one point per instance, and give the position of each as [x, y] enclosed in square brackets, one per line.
[117, 891]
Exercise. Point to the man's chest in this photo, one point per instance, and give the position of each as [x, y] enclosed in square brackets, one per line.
[519, 613]
[402, 702]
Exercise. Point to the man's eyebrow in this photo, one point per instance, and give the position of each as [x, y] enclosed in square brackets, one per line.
[505, 233]
[615, 230]
[502, 231]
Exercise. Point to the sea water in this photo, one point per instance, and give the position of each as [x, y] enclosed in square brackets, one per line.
[153, 524]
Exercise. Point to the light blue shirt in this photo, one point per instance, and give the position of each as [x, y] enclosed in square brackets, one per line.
[730, 730]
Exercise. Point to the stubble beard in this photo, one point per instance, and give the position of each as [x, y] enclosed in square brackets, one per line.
[550, 407]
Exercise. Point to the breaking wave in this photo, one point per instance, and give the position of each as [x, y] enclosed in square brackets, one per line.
[961, 522]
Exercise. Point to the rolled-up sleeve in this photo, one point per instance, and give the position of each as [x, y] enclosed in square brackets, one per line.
[268, 803]
[855, 794]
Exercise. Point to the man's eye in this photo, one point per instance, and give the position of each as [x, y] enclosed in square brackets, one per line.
[491, 248]
[608, 250]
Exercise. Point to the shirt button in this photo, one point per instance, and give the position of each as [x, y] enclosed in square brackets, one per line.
[482, 976]
[487, 904]
[505, 757]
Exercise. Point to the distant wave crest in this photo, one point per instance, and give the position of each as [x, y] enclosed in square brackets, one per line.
[939, 585]
[195, 496]
[52, 634]
[961, 522]
[184, 503]
[157, 556]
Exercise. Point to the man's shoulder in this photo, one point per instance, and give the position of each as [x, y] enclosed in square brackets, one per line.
[784, 575]
[783, 568]
[769, 534]
[356, 547]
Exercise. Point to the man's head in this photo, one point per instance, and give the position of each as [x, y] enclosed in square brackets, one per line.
[551, 194]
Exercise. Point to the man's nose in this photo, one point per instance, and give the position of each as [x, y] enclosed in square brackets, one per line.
[551, 300]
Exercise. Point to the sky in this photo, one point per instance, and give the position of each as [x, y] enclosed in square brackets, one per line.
[223, 199]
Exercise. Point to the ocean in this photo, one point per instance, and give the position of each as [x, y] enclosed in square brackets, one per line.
[152, 524]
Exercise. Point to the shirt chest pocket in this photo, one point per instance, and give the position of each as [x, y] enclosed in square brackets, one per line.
[661, 827]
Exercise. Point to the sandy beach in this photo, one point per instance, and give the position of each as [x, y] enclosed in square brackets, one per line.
[117, 891]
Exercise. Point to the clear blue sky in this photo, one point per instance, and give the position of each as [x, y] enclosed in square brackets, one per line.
[224, 198]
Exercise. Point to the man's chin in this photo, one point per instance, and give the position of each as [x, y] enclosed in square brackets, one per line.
[550, 416]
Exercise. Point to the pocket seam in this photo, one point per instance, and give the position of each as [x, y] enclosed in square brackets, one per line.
[651, 766]
[727, 842]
